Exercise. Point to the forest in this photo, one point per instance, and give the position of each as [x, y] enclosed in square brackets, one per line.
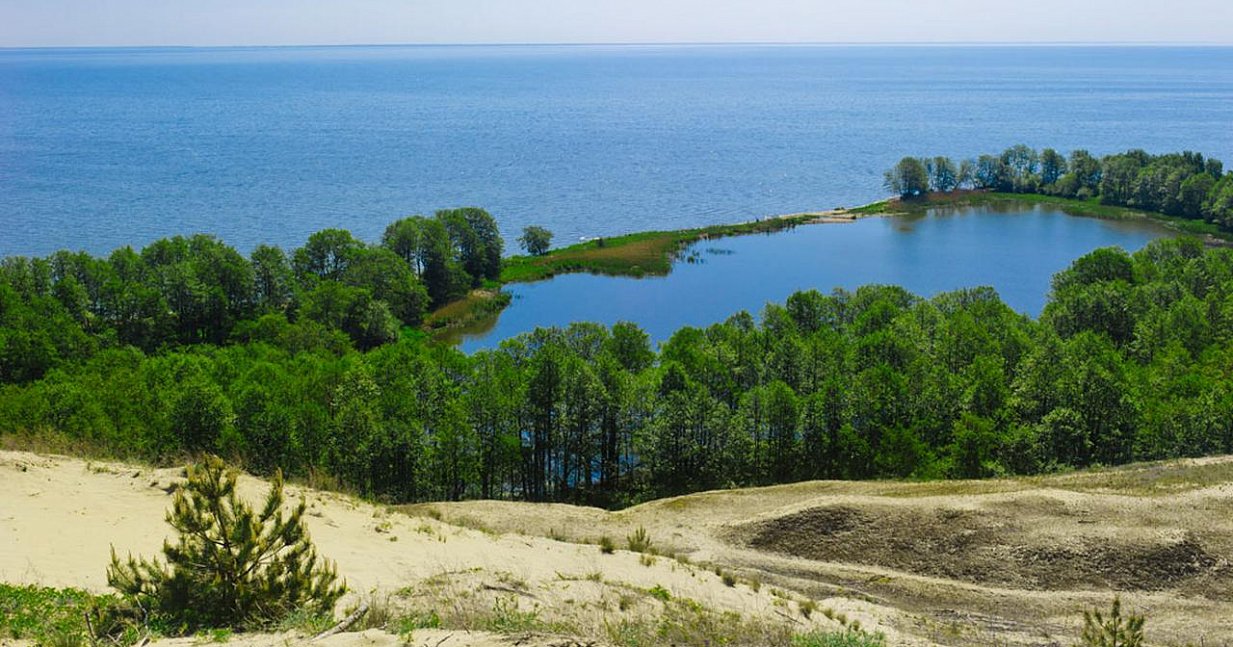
[306, 361]
[1184, 185]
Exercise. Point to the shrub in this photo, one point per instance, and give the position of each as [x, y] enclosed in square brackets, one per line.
[231, 567]
[606, 545]
[57, 617]
[660, 593]
[1114, 631]
[639, 541]
[845, 638]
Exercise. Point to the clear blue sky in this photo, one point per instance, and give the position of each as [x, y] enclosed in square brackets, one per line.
[285, 22]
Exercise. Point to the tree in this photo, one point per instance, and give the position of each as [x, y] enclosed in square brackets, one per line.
[1052, 166]
[231, 567]
[909, 178]
[474, 232]
[1114, 631]
[443, 276]
[1117, 177]
[1193, 193]
[990, 172]
[272, 277]
[535, 240]
[326, 255]
[1022, 163]
[1219, 204]
[477, 251]
[943, 174]
[405, 237]
[391, 281]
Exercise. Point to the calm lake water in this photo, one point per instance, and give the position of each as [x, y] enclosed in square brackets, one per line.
[1014, 249]
[105, 147]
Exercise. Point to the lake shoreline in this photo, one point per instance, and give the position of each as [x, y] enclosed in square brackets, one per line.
[653, 253]
[636, 255]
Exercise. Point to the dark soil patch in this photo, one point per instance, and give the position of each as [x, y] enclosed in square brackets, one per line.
[981, 547]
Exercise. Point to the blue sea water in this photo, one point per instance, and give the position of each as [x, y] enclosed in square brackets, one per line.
[105, 147]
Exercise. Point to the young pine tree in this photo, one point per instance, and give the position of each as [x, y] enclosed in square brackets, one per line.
[232, 567]
[1113, 631]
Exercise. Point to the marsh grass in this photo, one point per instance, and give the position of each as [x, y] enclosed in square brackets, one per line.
[647, 253]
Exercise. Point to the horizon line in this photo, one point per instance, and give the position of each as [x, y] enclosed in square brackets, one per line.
[1195, 44]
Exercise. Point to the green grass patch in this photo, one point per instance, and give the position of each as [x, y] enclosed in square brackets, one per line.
[874, 208]
[649, 253]
[474, 312]
[846, 638]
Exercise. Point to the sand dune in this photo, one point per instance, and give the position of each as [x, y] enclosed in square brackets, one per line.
[1008, 562]
[59, 518]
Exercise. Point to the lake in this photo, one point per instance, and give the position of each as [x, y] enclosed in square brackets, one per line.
[101, 148]
[1013, 248]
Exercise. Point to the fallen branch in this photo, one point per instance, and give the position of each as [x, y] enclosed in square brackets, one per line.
[788, 617]
[343, 624]
[508, 589]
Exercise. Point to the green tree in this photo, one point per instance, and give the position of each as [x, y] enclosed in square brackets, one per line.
[1052, 167]
[909, 178]
[479, 244]
[1021, 163]
[327, 255]
[391, 281]
[991, 172]
[1193, 194]
[201, 415]
[1218, 207]
[943, 174]
[231, 566]
[443, 276]
[405, 237]
[535, 240]
[1112, 631]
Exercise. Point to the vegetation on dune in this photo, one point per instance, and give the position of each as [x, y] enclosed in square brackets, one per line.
[1127, 362]
[58, 617]
[1114, 630]
[232, 566]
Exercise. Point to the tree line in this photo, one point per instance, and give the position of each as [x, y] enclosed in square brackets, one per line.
[336, 291]
[1128, 361]
[1184, 184]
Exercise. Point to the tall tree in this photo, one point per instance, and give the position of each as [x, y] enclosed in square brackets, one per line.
[908, 178]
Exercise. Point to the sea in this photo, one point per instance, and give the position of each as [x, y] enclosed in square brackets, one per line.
[101, 148]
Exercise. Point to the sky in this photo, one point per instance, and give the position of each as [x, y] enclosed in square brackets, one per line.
[59, 23]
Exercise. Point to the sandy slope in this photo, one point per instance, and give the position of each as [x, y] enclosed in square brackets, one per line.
[59, 518]
[1005, 562]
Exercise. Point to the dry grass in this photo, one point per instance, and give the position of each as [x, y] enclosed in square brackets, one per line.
[1008, 562]
[1000, 561]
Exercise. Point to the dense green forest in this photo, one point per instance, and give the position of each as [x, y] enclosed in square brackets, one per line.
[1184, 185]
[296, 361]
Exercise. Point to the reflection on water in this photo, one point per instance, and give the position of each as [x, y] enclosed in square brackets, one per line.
[1013, 248]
